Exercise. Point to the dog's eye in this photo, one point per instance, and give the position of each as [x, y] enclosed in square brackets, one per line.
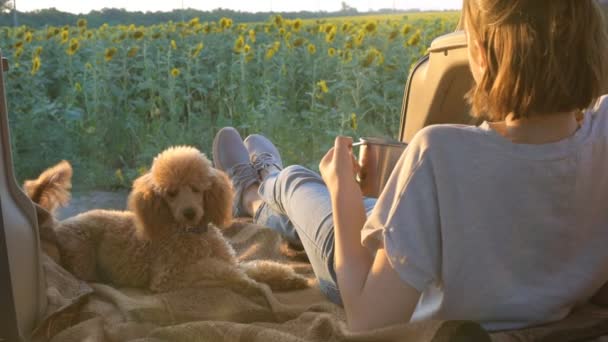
[171, 193]
[195, 190]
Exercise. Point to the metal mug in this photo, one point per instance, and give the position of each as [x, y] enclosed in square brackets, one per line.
[377, 159]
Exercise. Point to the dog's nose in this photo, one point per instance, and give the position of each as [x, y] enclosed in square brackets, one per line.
[188, 213]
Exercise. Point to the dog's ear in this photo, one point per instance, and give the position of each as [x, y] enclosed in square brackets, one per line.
[52, 188]
[218, 199]
[152, 215]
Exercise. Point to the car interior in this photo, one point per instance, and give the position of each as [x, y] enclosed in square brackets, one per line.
[434, 93]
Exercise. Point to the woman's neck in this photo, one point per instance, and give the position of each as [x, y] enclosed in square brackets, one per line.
[540, 129]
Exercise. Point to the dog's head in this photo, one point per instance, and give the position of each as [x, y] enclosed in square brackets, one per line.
[180, 192]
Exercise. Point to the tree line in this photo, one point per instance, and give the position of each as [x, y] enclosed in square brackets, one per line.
[113, 16]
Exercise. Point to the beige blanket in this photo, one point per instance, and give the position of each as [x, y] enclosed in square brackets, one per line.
[225, 312]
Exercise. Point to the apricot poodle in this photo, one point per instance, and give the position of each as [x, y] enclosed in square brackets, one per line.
[169, 238]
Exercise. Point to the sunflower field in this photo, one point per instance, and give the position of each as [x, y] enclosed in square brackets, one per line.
[108, 99]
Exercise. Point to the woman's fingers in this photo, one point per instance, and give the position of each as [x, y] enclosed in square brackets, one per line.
[326, 161]
[339, 163]
[343, 144]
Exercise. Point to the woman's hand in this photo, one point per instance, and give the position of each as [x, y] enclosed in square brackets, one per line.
[339, 166]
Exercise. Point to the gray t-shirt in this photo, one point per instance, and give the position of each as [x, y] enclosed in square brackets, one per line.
[508, 235]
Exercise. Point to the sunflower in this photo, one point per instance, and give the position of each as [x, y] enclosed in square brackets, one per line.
[18, 52]
[353, 121]
[28, 36]
[359, 38]
[73, 47]
[81, 23]
[297, 25]
[239, 43]
[299, 42]
[370, 27]
[197, 50]
[138, 34]
[278, 20]
[78, 87]
[331, 52]
[246, 48]
[270, 53]
[119, 176]
[329, 38]
[132, 52]
[312, 49]
[38, 51]
[173, 44]
[225, 23]
[414, 39]
[193, 22]
[329, 28]
[175, 72]
[406, 29]
[252, 36]
[35, 65]
[282, 31]
[18, 45]
[322, 86]
[65, 35]
[393, 35]
[109, 54]
[373, 54]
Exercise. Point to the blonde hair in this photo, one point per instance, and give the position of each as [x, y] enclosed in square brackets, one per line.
[542, 56]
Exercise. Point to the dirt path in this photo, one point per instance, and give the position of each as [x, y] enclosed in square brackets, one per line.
[94, 200]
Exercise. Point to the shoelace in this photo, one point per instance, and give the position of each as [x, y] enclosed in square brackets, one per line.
[242, 176]
[263, 161]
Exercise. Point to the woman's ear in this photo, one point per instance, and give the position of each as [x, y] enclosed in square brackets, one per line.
[218, 199]
[152, 215]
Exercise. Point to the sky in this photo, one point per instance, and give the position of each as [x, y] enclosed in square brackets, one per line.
[82, 6]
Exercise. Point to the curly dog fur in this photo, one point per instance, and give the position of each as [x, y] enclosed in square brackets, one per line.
[169, 238]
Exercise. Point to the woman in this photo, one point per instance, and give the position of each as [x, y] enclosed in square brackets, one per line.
[504, 223]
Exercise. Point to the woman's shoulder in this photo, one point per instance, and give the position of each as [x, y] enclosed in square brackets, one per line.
[602, 104]
[599, 114]
[447, 143]
[436, 136]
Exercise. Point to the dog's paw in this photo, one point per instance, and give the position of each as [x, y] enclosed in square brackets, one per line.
[279, 277]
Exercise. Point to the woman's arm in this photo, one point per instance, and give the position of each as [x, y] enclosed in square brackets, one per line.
[372, 292]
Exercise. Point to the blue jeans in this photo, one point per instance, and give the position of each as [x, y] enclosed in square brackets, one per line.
[297, 205]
